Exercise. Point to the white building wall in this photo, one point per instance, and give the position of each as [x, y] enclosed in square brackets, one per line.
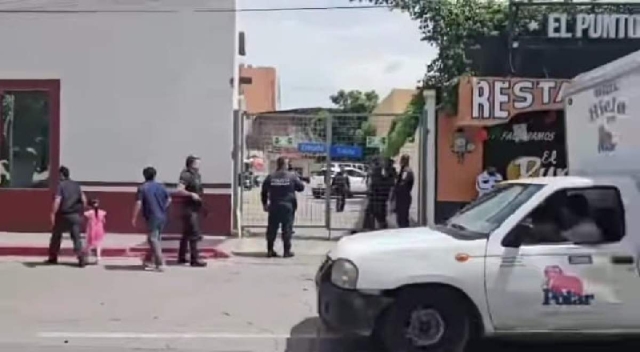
[137, 88]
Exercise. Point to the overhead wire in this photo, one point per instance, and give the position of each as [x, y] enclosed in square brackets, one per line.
[308, 8]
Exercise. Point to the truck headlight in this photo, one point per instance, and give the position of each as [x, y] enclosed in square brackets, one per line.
[344, 274]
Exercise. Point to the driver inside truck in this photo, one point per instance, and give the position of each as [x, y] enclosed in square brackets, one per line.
[583, 228]
[544, 225]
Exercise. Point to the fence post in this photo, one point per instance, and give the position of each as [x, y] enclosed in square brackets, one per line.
[236, 156]
[430, 120]
[327, 175]
[422, 164]
[243, 152]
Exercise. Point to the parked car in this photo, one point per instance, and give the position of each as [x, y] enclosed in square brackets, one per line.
[357, 182]
[358, 166]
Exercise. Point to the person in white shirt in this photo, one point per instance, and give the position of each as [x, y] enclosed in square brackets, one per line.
[487, 180]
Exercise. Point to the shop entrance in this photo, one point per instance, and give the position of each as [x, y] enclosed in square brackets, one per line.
[529, 145]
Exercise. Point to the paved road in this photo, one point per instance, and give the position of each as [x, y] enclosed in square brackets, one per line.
[243, 304]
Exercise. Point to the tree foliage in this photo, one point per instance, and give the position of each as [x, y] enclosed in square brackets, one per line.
[355, 101]
[404, 127]
[350, 124]
[453, 26]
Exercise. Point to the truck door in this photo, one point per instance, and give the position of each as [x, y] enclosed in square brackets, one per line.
[561, 274]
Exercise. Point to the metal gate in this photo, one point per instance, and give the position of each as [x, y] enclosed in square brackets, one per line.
[317, 144]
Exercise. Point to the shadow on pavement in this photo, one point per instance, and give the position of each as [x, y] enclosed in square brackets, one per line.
[611, 344]
[34, 265]
[261, 254]
[311, 336]
[126, 267]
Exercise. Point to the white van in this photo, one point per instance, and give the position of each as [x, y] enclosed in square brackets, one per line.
[549, 256]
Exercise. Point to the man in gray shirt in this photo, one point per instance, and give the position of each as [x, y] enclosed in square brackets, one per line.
[278, 199]
[66, 216]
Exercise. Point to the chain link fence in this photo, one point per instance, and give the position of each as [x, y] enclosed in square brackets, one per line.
[318, 144]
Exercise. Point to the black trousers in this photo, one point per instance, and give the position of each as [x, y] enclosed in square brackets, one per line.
[376, 214]
[403, 204]
[70, 223]
[190, 236]
[341, 201]
[280, 216]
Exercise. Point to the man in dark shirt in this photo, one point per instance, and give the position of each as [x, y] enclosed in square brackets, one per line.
[66, 216]
[402, 192]
[341, 185]
[153, 199]
[190, 185]
[278, 199]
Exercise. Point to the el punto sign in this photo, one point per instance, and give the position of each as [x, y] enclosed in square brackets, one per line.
[593, 26]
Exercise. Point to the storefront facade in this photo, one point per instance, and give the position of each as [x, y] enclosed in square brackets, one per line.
[513, 124]
[107, 88]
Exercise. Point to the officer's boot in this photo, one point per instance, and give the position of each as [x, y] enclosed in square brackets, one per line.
[271, 253]
[286, 243]
[195, 255]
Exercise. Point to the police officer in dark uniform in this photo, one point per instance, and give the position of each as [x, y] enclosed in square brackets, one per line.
[66, 216]
[341, 184]
[278, 199]
[190, 185]
[402, 192]
[380, 185]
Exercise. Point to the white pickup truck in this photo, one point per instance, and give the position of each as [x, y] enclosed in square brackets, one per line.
[555, 255]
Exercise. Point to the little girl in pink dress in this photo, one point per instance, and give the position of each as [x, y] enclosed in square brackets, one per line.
[96, 219]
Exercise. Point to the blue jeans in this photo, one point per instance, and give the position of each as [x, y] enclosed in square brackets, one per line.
[155, 227]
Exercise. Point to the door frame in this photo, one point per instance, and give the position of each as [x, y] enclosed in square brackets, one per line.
[52, 87]
[29, 208]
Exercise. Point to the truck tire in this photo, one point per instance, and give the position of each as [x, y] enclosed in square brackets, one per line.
[427, 320]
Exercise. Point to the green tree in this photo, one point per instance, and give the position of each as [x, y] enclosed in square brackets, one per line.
[351, 125]
[453, 26]
[350, 121]
[355, 101]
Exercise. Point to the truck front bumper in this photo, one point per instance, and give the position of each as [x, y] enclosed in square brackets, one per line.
[348, 311]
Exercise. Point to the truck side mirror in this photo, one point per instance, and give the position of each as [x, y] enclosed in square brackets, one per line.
[518, 234]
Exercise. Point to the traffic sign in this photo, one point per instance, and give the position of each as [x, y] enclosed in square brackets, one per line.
[312, 148]
[346, 151]
[376, 142]
[282, 141]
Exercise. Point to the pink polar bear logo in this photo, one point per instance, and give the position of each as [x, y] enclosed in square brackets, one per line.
[563, 290]
[558, 282]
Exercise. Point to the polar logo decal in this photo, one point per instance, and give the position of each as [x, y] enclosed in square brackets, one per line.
[561, 289]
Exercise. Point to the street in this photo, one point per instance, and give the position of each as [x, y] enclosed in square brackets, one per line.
[240, 304]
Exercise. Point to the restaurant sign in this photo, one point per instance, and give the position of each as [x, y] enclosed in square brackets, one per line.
[503, 98]
[593, 26]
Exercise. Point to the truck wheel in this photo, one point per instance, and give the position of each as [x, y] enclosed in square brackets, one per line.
[426, 320]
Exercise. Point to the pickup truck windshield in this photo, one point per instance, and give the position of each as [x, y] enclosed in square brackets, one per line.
[489, 211]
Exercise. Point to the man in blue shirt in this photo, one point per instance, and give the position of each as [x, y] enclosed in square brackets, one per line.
[153, 199]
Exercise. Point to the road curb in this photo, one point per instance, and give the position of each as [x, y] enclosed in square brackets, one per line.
[113, 252]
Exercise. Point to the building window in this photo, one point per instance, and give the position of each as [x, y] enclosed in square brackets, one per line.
[24, 142]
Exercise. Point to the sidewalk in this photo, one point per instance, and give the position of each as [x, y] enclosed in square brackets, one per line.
[135, 245]
[114, 245]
